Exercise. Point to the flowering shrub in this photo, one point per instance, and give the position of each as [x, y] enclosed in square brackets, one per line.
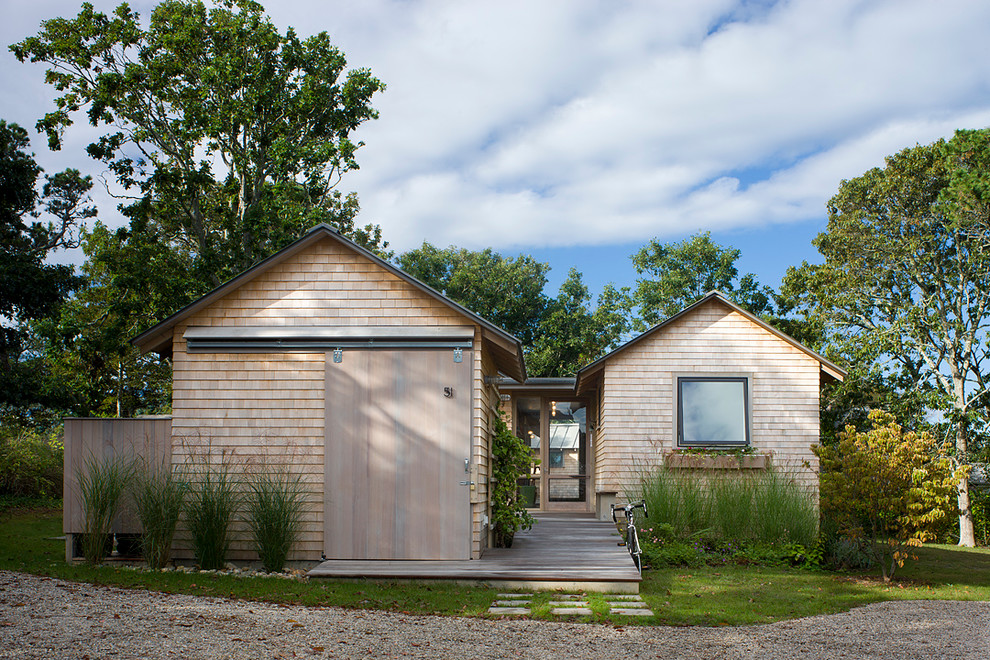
[886, 488]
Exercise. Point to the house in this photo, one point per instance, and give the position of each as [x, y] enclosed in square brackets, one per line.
[711, 376]
[381, 393]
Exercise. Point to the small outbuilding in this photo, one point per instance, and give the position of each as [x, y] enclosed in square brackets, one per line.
[377, 388]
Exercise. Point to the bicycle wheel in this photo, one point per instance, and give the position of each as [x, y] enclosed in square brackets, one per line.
[634, 550]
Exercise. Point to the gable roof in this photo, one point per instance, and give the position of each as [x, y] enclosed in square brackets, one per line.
[506, 349]
[828, 368]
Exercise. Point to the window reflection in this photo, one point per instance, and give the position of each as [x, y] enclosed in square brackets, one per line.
[712, 411]
[567, 453]
[528, 428]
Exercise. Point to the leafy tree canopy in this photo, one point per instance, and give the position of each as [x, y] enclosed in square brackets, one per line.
[30, 289]
[508, 291]
[230, 134]
[559, 335]
[228, 137]
[572, 334]
[906, 279]
[675, 275]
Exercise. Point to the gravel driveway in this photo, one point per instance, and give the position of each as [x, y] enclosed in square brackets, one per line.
[47, 618]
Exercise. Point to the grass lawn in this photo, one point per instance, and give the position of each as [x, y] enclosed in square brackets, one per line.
[726, 595]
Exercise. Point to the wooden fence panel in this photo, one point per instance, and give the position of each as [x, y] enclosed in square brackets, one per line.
[95, 438]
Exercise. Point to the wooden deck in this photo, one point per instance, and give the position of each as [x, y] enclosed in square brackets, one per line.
[562, 551]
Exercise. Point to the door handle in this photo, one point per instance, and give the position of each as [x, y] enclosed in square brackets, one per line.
[466, 483]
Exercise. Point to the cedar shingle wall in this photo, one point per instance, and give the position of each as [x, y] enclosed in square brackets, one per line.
[272, 404]
[636, 417]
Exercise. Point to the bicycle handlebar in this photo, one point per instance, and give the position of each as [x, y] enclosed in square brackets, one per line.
[629, 507]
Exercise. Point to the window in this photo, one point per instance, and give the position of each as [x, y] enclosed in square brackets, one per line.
[712, 411]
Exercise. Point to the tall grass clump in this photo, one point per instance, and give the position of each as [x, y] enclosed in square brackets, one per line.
[213, 500]
[784, 512]
[274, 506]
[677, 498]
[732, 501]
[159, 494]
[102, 482]
[762, 506]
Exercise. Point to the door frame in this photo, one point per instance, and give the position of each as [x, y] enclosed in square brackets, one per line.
[546, 398]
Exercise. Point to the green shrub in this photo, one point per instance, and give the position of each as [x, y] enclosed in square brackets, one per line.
[674, 553]
[886, 489]
[102, 482]
[159, 492]
[31, 462]
[210, 509]
[511, 460]
[275, 502]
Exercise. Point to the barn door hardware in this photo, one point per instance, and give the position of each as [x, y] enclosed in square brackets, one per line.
[338, 355]
[458, 355]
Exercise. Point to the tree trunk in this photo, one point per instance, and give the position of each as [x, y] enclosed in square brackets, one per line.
[967, 535]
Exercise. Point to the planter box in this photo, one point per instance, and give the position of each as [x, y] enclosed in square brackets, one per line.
[717, 462]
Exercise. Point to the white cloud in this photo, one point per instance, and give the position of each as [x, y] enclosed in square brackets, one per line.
[517, 124]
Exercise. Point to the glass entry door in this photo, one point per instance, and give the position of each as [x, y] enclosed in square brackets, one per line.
[557, 434]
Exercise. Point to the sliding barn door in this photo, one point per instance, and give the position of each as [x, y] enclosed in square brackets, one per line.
[398, 432]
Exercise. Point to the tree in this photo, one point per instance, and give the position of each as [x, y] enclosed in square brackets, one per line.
[30, 289]
[679, 274]
[885, 488]
[559, 334]
[906, 279]
[571, 334]
[231, 134]
[504, 290]
[228, 138]
[88, 344]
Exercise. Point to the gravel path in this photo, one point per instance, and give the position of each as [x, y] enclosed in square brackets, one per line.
[47, 618]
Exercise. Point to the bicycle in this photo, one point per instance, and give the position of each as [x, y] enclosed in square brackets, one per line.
[627, 529]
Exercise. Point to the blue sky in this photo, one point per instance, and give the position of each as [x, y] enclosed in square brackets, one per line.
[576, 131]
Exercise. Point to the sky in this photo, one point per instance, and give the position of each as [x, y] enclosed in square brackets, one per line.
[576, 131]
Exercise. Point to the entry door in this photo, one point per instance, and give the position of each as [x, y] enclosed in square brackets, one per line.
[556, 432]
[398, 432]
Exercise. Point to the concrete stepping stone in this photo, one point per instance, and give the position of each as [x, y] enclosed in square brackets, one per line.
[514, 596]
[568, 597]
[571, 611]
[510, 603]
[631, 611]
[508, 610]
[627, 603]
[565, 604]
[622, 597]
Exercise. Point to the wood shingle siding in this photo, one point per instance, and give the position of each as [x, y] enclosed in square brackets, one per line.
[273, 404]
[638, 399]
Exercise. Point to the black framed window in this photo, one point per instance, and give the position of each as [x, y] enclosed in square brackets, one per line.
[712, 411]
